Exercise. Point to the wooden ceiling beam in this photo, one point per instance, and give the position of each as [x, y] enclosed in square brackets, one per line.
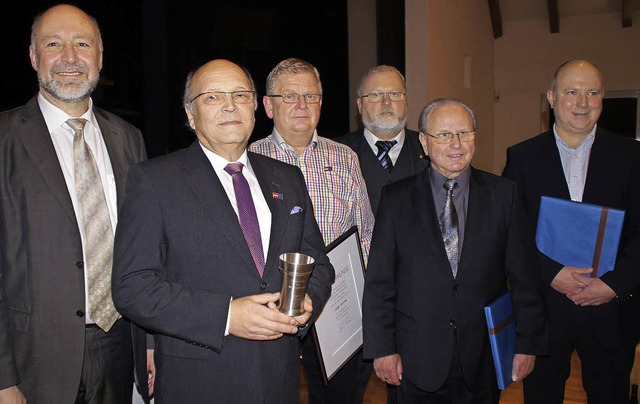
[554, 19]
[496, 18]
[627, 13]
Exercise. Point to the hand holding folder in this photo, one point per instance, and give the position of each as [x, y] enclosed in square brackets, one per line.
[502, 337]
[579, 234]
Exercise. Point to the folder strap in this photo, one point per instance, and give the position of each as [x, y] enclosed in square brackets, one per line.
[504, 324]
[602, 226]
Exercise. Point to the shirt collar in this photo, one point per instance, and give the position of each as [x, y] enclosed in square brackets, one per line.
[372, 139]
[283, 145]
[586, 142]
[55, 117]
[437, 180]
[219, 163]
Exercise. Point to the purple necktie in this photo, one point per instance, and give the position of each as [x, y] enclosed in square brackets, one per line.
[247, 214]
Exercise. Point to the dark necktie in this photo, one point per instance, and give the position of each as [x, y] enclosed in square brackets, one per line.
[98, 234]
[247, 214]
[383, 153]
[449, 226]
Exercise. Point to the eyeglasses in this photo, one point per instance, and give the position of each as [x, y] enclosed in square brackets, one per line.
[293, 98]
[394, 96]
[218, 97]
[447, 137]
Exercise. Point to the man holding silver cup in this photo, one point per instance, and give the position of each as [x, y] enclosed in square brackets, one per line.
[198, 262]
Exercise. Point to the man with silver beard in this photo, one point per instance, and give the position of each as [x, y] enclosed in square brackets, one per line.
[382, 103]
[61, 339]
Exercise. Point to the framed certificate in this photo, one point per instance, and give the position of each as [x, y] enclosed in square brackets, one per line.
[338, 329]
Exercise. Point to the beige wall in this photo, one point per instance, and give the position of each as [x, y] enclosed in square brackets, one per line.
[439, 35]
[527, 55]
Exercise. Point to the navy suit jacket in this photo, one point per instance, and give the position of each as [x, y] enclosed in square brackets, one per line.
[411, 160]
[613, 179]
[413, 306]
[180, 256]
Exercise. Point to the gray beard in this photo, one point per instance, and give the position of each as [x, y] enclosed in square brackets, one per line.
[68, 93]
[389, 130]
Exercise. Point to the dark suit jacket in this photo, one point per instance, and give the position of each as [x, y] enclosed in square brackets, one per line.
[42, 302]
[180, 256]
[413, 306]
[411, 160]
[613, 179]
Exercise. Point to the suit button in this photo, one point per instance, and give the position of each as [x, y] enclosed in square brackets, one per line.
[452, 321]
[80, 265]
[263, 285]
[80, 313]
[456, 287]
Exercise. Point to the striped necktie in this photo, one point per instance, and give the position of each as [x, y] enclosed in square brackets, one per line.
[383, 153]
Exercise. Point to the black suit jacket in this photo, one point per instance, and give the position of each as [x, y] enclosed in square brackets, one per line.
[413, 306]
[42, 300]
[411, 160]
[180, 256]
[613, 179]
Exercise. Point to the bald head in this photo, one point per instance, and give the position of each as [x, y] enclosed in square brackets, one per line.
[568, 65]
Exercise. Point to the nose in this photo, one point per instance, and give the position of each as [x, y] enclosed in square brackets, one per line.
[302, 102]
[69, 53]
[228, 104]
[582, 100]
[386, 99]
[455, 143]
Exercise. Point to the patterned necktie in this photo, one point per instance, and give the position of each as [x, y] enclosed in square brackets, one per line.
[98, 234]
[247, 214]
[449, 226]
[383, 153]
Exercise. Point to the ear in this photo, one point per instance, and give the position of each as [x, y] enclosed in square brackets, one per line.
[550, 98]
[268, 106]
[190, 117]
[359, 104]
[423, 142]
[32, 57]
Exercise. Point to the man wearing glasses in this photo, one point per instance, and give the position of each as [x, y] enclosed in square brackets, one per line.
[197, 262]
[387, 151]
[336, 187]
[447, 242]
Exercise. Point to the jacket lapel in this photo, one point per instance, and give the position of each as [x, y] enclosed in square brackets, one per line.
[203, 181]
[274, 193]
[38, 145]
[425, 211]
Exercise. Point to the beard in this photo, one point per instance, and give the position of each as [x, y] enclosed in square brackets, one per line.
[388, 126]
[67, 91]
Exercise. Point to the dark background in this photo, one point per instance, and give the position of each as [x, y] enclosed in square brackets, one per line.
[150, 46]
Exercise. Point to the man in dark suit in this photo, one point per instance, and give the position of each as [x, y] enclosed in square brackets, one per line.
[382, 103]
[580, 161]
[185, 269]
[429, 279]
[55, 346]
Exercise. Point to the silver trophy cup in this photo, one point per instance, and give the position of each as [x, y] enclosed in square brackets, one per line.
[296, 269]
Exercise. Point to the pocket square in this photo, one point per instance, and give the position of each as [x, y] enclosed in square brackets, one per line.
[296, 209]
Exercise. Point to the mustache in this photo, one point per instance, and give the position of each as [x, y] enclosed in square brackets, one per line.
[69, 67]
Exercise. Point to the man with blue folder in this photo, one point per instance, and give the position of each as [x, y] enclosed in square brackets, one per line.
[447, 242]
[580, 161]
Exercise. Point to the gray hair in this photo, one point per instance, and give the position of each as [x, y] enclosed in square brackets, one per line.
[380, 69]
[291, 66]
[433, 104]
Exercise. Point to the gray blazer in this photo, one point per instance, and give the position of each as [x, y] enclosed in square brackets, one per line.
[42, 302]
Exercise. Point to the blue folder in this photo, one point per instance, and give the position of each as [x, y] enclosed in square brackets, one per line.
[579, 234]
[502, 337]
